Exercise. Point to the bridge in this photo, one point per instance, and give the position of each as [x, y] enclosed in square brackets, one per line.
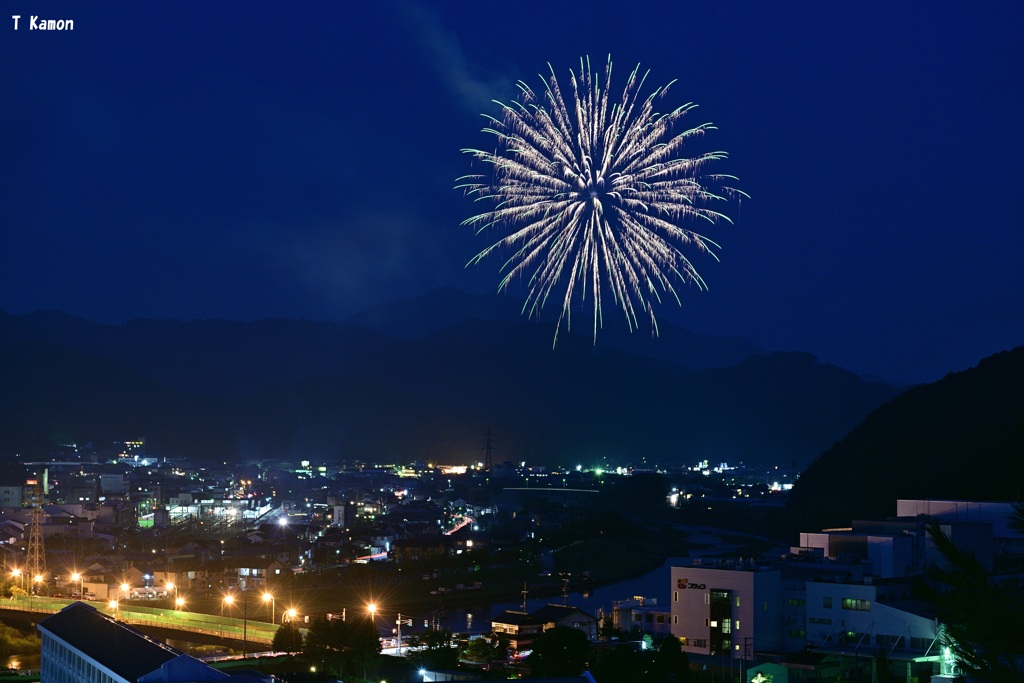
[232, 628]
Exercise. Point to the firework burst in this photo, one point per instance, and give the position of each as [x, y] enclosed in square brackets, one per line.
[593, 196]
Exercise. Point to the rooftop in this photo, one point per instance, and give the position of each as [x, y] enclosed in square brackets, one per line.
[122, 649]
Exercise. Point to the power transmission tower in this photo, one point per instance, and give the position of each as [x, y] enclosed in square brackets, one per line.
[35, 562]
[489, 450]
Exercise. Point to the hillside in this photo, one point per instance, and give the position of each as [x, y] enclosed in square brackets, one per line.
[53, 395]
[961, 437]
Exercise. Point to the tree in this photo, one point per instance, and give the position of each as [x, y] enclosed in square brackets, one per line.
[438, 649]
[560, 651]
[343, 645]
[670, 662]
[981, 619]
[287, 638]
[621, 663]
[485, 649]
[13, 641]
[323, 643]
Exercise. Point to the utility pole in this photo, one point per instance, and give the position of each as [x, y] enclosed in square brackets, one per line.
[746, 654]
[400, 621]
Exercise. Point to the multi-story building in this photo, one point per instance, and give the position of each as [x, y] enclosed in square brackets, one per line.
[724, 608]
[839, 604]
[897, 547]
[12, 496]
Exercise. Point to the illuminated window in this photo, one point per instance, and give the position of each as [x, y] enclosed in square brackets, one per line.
[857, 604]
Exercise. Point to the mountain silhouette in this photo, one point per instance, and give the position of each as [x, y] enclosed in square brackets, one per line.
[423, 380]
[961, 437]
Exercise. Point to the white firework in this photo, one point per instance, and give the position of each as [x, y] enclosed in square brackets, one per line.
[592, 195]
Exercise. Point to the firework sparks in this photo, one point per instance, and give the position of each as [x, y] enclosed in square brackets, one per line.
[596, 195]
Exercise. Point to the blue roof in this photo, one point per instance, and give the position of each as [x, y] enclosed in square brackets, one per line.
[122, 649]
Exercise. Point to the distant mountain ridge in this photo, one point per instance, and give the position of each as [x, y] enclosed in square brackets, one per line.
[423, 380]
[441, 308]
[238, 357]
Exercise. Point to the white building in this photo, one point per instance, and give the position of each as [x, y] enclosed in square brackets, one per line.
[838, 603]
[727, 608]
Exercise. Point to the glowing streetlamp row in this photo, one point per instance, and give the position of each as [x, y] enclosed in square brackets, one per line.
[17, 573]
[179, 602]
[268, 599]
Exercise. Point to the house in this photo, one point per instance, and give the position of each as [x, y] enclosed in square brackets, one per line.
[519, 628]
[551, 616]
[420, 548]
[11, 531]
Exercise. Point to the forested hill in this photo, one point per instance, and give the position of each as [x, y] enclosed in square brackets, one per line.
[959, 438]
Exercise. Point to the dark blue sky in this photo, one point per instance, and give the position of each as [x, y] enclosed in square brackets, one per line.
[246, 160]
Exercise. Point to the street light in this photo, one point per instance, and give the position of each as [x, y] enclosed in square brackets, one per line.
[267, 597]
[81, 584]
[113, 605]
[291, 614]
[124, 589]
[17, 573]
[179, 603]
[372, 609]
[172, 587]
[230, 600]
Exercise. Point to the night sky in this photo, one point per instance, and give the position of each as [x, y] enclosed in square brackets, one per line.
[247, 160]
